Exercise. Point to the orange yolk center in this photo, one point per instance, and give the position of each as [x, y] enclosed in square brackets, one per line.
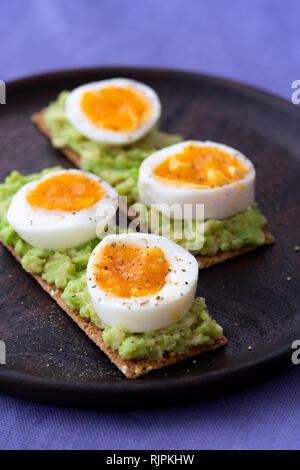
[130, 271]
[116, 109]
[66, 192]
[200, 167]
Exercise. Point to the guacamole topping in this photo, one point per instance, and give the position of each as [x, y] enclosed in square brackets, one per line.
[66, 270]
[118, 165]
[244, 228]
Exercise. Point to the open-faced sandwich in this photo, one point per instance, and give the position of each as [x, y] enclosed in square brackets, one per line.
[109, 128]
[215, 178]
[132, 293]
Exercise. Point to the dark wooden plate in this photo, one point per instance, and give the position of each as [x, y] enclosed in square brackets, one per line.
[49, 359]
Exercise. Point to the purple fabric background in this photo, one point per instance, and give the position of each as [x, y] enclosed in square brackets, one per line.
[255, 41]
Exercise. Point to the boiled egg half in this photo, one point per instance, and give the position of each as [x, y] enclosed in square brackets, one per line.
[116, 111]
[61, 210]
[194, 172]
[141, 282]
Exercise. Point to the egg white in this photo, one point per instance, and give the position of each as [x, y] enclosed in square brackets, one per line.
[151, 312]
[219, 202]
[81, 122]
[58, 229]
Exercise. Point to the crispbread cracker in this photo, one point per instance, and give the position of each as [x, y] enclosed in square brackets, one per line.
[39, 121]
[203, 261]
[130, 368]
[207, 261]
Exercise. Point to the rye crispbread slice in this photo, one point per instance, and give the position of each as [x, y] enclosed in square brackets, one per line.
[207, 261]
[132, 369]
[39, 120]
[203, 261]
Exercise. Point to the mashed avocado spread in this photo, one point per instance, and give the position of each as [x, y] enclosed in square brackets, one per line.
[117, 165]
[66, 269]
[120, 167]
[244, 228]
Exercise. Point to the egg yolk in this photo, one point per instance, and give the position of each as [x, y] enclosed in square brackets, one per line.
[66, 192]
[130, 271]
[200, 167]
[116, 108]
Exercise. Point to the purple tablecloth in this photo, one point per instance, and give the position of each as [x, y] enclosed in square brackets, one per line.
[255, 41]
